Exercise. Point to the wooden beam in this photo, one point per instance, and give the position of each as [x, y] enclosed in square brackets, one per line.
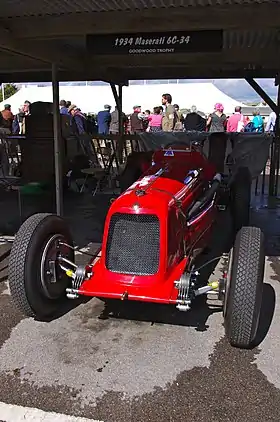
[116, 96]
[161, 19]
[251, 56]
[256, 87]
[40, 52]
[44, 75]
[202, 72]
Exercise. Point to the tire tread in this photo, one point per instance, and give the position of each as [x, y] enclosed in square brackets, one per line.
[247, 289]
[17, 261]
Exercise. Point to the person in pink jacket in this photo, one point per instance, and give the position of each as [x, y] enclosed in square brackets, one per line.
[155, 120]
[236, 122]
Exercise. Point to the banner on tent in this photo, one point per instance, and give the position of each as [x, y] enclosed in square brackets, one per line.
[156, 43]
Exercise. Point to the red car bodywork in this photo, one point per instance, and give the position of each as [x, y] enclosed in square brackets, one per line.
[173, 182]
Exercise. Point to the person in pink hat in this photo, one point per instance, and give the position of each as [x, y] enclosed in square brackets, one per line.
[217, 120]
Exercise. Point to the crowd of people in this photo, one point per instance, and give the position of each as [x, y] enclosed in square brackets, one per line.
[14, 123]
[165, 117]
[168, 117]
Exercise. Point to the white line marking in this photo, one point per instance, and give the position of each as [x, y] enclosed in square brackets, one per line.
[13, 413]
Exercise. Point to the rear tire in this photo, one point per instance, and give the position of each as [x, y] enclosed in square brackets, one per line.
[36, 244]
[244, 288]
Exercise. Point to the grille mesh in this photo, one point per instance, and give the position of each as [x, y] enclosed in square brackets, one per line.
[133, 244]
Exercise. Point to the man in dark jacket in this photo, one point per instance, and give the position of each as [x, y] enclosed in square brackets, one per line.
[137, 119]
[114, 125]
[104, 120]
[193, 121]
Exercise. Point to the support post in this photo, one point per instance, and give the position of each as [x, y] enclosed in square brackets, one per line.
[57, 142]
[118, 100]
[116, 97]
[256, 87]
[277, 145]
[3, 91]
[121, 131]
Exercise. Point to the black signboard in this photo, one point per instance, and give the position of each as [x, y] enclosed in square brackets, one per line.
[156, 43]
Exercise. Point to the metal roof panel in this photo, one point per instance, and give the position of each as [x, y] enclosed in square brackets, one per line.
[26, 8]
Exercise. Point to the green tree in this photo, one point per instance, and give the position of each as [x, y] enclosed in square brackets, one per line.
[9, 90]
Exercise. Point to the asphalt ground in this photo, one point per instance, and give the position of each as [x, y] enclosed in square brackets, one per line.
[143, 362]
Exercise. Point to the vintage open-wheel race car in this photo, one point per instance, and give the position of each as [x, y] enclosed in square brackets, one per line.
[153, 234]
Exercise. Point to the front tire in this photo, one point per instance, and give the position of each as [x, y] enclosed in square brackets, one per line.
[244, 288]
[33, 262]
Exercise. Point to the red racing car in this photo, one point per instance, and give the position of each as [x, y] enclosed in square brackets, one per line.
[154, 233]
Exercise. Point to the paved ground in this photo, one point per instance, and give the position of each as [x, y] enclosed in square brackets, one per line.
[144, 363]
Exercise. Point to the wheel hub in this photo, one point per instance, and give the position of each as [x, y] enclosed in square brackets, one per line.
[53, 279]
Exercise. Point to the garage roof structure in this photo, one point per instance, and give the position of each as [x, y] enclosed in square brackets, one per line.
[243, 39]
[120, 40]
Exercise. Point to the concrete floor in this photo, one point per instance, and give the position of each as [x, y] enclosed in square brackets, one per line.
[145, 363]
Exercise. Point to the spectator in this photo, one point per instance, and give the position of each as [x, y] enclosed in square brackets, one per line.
[16, 126]
[247, 120]
[194, 121]
[26, 108]
[104, 120]
[8, 117]
[236, 122]
[114, 125]
[63, 107]
[168, 121]
[271, 122]
[155, 120]
[68, 103]
[216, 125]
[78, 119]
[20, 118]
[258, 121]
[217, 121]
[1, 121]
[137, 119]
[146, 120]
[179, 118]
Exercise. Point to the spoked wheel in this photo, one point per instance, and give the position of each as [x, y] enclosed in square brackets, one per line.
[244, 286]
[37, 283]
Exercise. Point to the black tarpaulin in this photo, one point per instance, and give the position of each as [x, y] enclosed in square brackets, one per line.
[250, 149]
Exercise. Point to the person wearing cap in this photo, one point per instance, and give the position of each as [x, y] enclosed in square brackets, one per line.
[78, 118]
[194, 121]
[8, 117]
[104, 120]
[137, 120]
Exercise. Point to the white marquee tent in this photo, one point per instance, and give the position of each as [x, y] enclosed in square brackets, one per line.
[92, 98]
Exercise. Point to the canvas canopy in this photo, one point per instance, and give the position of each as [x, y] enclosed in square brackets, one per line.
[91, 99]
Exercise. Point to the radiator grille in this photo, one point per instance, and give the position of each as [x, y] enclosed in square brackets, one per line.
[133, 244]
